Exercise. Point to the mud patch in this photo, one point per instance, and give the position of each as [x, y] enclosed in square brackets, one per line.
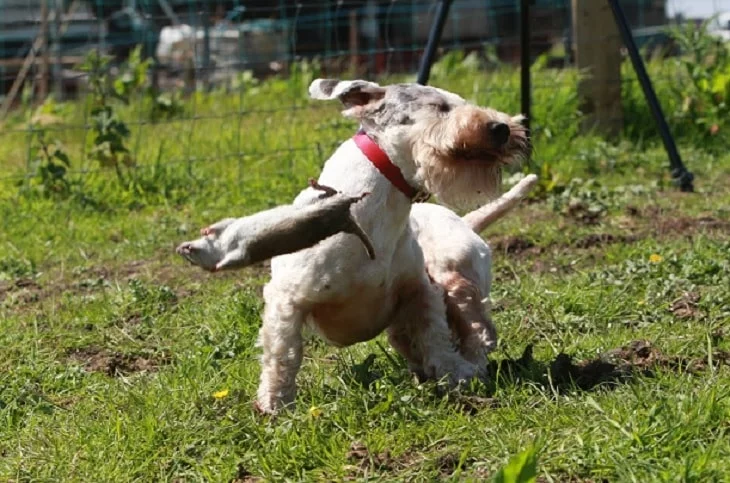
[685, 307]
[601, 239]
[244, 476]
[472, 405]
[362, 460]
[87, 281]
[681, 225]
[115, 364]
[448, 463]
[514, 245]
[21, 291]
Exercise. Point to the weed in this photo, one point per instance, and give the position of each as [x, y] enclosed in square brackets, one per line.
[49, 168]
[109, 131]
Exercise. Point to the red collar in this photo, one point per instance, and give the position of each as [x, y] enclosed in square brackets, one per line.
[382, 163]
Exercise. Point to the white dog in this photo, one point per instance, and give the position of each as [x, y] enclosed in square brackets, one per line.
[430, 280]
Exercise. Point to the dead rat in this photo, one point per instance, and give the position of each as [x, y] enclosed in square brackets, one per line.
[234, 243]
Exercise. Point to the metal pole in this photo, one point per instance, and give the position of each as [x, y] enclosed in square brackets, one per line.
[56, 48]
[681, 176]
[525, 88]
[434, 37]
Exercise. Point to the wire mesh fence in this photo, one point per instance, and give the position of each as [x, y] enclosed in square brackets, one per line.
[227, 79]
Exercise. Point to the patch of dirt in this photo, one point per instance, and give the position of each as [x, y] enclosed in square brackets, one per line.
[680, 225]
[363, 460]
[23, 290]
[570, 479]
[472, 405]
[514, 245]
[244, 476]
[447, 464]
[114, 364]
[584, 213]
[654, 223]
[718, 335]
[685, 307]
[600, 239]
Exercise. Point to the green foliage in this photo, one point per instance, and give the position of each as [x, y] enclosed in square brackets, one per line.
[165, 106]
[706, 65]
[521, 468]
[110, 133]
[49, 167]
[14, 267]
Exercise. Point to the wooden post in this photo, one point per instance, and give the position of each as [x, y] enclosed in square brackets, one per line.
[45, 60]
[354, 40]
[597, 44]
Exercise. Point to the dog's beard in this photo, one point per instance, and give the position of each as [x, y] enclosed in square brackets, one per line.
[458, 166]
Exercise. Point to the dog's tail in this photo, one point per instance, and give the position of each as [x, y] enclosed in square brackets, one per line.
[484, 216]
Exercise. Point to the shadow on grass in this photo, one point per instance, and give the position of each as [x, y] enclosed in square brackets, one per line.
[609, 369]
[562, 375]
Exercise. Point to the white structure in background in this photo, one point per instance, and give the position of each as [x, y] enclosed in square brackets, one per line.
[258, 45]
[720, 26]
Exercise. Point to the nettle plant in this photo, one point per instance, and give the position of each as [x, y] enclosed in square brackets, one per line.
[110, 132]
[49, 167]
[706, 64]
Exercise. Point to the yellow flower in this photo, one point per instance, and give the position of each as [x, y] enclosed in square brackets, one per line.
[221, 394]
[315, 411]
[655, 258]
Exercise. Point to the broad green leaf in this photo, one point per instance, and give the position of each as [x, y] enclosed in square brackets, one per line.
[521, 468]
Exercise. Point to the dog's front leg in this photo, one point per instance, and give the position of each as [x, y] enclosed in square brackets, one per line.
[281, 338]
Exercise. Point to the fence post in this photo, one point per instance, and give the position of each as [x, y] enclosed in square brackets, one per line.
[525, 81]
[354, 41]
[597, 46]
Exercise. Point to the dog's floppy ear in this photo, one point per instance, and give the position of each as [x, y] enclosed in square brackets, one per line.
[354, 94]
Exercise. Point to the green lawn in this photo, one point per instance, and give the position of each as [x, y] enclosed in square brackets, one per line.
[120, 362]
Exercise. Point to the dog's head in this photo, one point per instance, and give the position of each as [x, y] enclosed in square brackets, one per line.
[441, 143]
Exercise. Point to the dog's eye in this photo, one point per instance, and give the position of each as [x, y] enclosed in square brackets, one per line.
[443, 107]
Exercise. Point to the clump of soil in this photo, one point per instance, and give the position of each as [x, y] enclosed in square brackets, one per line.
[685, 307]
[600, 239]
[513, 245]
[363, 459]
[114, 364]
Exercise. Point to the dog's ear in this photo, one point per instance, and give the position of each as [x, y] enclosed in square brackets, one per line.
[355, 95]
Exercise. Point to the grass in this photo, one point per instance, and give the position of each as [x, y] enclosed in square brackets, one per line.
[119, 362]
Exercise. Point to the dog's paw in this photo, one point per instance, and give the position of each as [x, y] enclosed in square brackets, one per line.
[456, 370]
[270, 406]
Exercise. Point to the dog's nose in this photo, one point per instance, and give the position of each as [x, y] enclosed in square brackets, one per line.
[499, 133]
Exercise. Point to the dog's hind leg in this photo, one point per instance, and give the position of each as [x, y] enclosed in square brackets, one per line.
[281, 339]
[421, 334]
[470, 319]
